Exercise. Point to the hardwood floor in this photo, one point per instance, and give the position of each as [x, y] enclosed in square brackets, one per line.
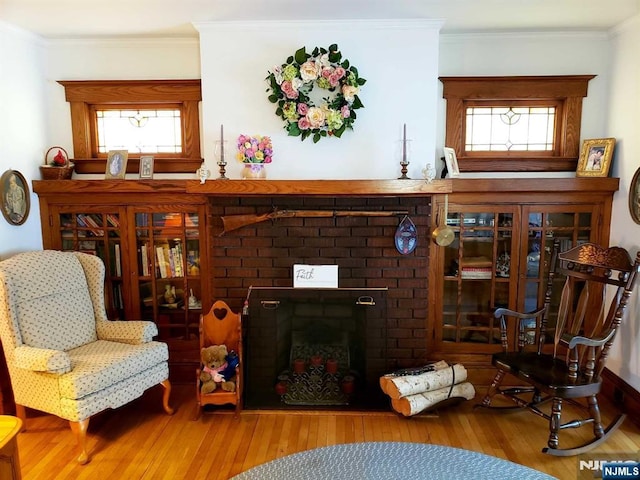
[139, 441]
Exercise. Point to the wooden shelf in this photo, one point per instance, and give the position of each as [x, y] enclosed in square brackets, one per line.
[332, 188]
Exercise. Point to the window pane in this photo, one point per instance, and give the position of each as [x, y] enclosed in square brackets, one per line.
[139, 131]
[510, 128]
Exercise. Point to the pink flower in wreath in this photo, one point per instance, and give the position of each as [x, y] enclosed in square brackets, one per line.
[288, 90]
[303, 123]
[303, 109]
[345, 112]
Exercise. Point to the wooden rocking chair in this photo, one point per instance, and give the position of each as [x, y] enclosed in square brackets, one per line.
[561, 354]
[221, 326]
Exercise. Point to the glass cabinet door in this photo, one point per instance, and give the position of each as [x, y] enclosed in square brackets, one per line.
[571, 226]
[97, 232]
[478, 272]
[169, 287]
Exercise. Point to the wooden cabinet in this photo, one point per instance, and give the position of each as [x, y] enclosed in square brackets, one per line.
[500, 256]
[152, 238]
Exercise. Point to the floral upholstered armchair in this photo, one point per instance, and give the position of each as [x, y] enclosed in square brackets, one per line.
[63, 355]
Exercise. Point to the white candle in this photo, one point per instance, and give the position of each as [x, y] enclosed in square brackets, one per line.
[404, 143]
[221, 143]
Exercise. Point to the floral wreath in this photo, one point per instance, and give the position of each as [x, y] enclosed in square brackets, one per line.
[292, 82]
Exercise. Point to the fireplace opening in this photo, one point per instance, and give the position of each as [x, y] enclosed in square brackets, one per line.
[315, 348]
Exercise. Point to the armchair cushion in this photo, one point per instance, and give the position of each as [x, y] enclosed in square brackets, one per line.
[132, 331]
[42, 359]
[101, 364]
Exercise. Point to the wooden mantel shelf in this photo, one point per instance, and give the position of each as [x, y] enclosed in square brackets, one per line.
[332, 188]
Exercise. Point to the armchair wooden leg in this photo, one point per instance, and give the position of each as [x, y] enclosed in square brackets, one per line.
[79, 429]
[554, 422]
[594, 410]
[165, 397]
[21, 413]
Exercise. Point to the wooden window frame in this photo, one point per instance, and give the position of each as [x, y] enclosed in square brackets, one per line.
[565, 92]
[84, 95]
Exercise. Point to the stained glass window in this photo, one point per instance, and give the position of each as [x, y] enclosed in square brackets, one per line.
[141, 131]
[510, 128]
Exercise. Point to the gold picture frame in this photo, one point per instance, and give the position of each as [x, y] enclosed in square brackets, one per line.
[595, 157]
[116, 164]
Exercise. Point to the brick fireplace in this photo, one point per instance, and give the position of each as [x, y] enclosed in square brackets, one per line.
[263, 254]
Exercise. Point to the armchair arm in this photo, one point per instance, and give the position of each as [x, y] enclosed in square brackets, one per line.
[504, 313]
[573, 341]
[42, 359]
[125, 331]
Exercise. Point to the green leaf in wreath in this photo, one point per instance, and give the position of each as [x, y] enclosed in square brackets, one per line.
[316, 137]
[356, 103]
[301, 55]
[305, 134]
[333, 47]
[361, 81]
[345, 64]
[338, 133]
[273, 98]
[289, 60]
[293, 129]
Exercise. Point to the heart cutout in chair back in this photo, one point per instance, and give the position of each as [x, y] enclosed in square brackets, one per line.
[220, 313]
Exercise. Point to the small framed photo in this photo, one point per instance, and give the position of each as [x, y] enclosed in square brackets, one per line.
[146, 167]
[634, 197]
[116, 164]
[595, 157]
[14, 197]
[451, 161]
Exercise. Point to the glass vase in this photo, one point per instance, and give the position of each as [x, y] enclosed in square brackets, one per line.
[254, 171]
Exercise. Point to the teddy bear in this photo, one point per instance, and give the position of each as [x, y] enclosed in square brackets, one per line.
[219, 367]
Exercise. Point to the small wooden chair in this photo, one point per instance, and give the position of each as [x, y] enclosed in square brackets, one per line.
[221, 326]
[561, 351]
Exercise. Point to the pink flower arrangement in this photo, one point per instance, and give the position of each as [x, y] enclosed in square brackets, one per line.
[256, 149]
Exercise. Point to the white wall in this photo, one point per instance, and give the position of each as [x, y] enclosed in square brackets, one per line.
[399, 60]
[622, 123]
[23, 128]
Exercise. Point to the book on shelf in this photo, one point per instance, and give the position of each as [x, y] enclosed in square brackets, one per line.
[163, 262]
[113, 220]
[476, 273]
[118, 261]
[88, 222]
[144, 260]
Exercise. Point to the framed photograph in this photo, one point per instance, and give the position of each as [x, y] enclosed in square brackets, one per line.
[451, 161]
[634, 197]
[595, 157]
[146, 167]
[15, 197]
[116, 164]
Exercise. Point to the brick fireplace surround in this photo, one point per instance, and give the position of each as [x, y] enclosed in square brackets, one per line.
[263, 254]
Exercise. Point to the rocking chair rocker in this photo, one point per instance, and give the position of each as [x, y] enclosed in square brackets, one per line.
[561, 352]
